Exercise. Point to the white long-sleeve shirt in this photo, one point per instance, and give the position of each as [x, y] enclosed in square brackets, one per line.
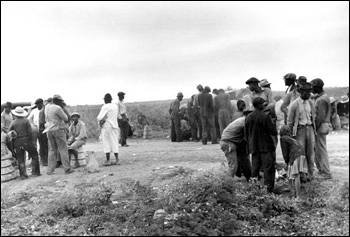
[110, 113]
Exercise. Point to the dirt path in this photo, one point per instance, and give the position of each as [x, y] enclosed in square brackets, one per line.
[147, 160]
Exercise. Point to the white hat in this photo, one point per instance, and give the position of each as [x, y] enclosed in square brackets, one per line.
[344, 99]
[19, 112]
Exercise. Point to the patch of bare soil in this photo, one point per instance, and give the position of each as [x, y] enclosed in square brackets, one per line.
[152, 161]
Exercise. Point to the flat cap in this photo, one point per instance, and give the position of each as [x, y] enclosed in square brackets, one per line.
[107, 97]
[305, 87]
[258, 101]
[180, 94]
[57, 97]
[290, 76]
[317, 82]
[121, 93]
[252, 80]
[301, 80]
[38, 101]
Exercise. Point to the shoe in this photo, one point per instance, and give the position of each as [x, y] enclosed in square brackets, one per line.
[106, 163]
[125, 145]
[23, 177]
[58, 164]
[69, 171]
[36, 175]
[326, 176]
[195, 140]
[215, 142]
[76, 165]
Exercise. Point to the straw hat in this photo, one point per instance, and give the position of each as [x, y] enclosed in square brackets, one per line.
[264, 82]
[19, 112]
[344, 99]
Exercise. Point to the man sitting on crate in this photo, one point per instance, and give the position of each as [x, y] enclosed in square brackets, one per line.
[77, 137]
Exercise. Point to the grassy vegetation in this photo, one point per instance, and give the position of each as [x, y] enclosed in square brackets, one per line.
[192, 203]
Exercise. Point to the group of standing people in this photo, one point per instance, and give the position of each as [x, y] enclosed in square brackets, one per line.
[302, 119]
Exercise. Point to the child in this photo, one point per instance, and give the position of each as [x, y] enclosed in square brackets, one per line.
[294, 157]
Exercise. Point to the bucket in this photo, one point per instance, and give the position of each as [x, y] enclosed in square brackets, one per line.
[147, 132]
[7, 170]
[81, 157]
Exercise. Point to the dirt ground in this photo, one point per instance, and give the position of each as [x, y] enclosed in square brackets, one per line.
[147, 160]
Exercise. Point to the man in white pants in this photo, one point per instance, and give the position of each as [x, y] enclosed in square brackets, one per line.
[108, 120]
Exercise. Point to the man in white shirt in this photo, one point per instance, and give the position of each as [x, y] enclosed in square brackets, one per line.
[123, 120]
[108, 120]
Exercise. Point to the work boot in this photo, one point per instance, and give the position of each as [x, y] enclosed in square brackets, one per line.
[76, 165]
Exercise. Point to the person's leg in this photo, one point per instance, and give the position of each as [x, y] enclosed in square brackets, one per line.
[212, 130]
[310, 151]
[43, 143]
[297, 185]
[114, 134]
[204, 130]
[21, 162]
[172, 131]
[200, 128]
[194, 128]
[322, 155]
[33, 153]
[217, 126]
[52, 147]
[269, 170]
[177, 122]
[256, 164]
[74, 150]
[229, 149]
[62, 147]
[243, 161]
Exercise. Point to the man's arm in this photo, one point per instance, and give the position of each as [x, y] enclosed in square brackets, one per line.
[284, 107]
[322, 108]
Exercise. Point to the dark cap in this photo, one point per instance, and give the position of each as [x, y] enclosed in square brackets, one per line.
[290, 76]
[305, 87]
[317, 82]
[200, 87]
[49, 99]
[258, 101]
[57, 97]
[38, 101]
[108, 97]
[252, 80]
[180, 94]
[207, 88]
[301, 80]
[121, 93]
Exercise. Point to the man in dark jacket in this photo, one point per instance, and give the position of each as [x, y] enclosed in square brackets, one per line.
[258, 131]
[176, 116]
[205, 102]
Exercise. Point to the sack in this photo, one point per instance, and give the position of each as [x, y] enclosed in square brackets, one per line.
[92, 164]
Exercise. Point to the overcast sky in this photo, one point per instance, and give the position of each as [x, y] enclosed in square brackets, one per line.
[152, 50]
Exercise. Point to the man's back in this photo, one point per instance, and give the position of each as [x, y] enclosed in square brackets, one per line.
[206, 105]
[222, 102]
[55, 117]
[234, 132]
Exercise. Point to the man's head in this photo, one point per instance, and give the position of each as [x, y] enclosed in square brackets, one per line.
[265, 83]
[107, 98]
[39, 103]
[221, 91]
[75, 117]
[215, 91]
[305, 91]
[258, 103]
[289, 79]
[317, 86]
[253, 84]
[200, 88]
[207, 89]
[58, 100]
[241, 105]
[8, 107]
[180, 96]
[277, 98]
[285, 131]
[121, 95]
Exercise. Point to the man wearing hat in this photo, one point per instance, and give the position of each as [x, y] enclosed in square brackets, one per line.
[56, 116]
[343, 111]
[108, 120]
[23, 142]
[292, 94]
[259, 130]
[6, 117]
[77, 136]
[176, 116]
[258, 91]
[123, 120]
[301, 120]
[289, 80]
[335, 121]
[323, 126]
[206, 110]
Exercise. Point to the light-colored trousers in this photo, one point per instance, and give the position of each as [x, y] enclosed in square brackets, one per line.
[110, 139]
[321, 156]
[306, 138]
[58, 145]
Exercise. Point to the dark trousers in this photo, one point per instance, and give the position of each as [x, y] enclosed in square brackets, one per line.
[208, 124]
[266, 162]
[21, 145]
[175, 134]
[44, 148]
[194, 127]
[244, 165]
[124, 131]
[217, 126]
